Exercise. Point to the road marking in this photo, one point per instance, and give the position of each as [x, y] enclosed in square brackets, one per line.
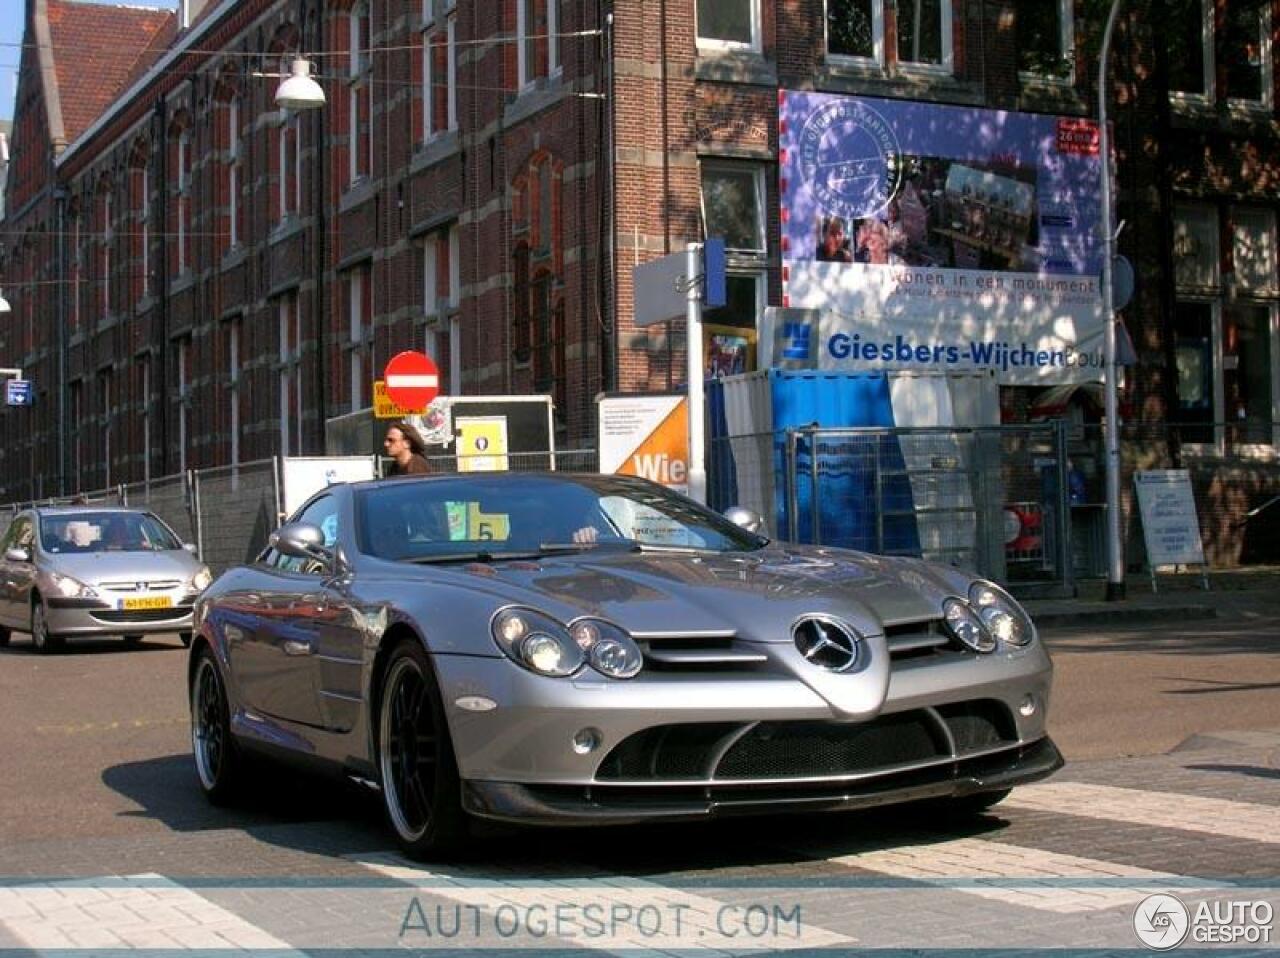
[613, 913]
[1188, 813]
[77, 728]
[138, 911]
[1016, 875]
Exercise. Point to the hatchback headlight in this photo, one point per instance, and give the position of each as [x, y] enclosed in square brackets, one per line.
[537, 642]
[964, 623]
[72, 588]
[608, 648]
[200, 581]
[1001, 614]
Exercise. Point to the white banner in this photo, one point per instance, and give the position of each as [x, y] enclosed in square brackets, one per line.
[1029, 328]
[305, 476]
[1170, 527]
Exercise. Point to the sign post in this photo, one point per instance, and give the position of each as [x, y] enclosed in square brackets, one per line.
[412, 380]
[1170, 527]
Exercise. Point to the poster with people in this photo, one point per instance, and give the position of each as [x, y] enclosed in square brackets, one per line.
[941, 237]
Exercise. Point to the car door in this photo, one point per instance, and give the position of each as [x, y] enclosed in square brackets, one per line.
[16, 576]
[273, 657]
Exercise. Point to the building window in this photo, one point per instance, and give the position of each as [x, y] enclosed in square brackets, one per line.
[233, 172]
[1246, 51]
[290, 333]
[289, 163]
[144, 404]
[537, 40]
[521, 306]
[855, 30]
[924, 34]
[729, 24]
[1046, 39]
[730, 338]
[360, 98]
[182, 259]
[1189, 29]
[233, 387]
[440, 79]
[108, 238]
[359, 299]
[733, 206]
[184, 400]
[77, 272]
[107, 410]
[1228, 372]
[75, 408]
[139, 279]
[547, 334]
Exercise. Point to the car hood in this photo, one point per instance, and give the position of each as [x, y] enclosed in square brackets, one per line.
[755, 595]
[96, 567]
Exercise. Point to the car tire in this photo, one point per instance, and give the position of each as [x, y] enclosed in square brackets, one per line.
[420, 787]
[5, 635]
[185, 639]
[219, 763]
[43, 641]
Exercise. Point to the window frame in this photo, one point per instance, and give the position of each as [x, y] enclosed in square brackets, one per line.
[1066, 49]
[761, 194]
[946, 29]
[289, 332]
[359, 95]
[527, 76]
[878, 56]
[430, 34]
[717, 45]
[1267, 67]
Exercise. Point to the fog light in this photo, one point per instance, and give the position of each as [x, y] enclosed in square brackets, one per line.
[1027, 708]
[586, 740]
[475, 703]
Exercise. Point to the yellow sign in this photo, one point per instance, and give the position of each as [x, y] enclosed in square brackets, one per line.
[482, 443]
[484, 526]
[384, 408]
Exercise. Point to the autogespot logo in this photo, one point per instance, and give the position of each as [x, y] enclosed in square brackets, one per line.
[1161, 922]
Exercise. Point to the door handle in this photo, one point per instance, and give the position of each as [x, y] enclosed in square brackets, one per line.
[296, 647]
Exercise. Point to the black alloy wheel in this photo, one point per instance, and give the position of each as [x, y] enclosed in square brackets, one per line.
[419, 773]
[219, 765]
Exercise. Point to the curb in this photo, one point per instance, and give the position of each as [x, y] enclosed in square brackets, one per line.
[1111, 615]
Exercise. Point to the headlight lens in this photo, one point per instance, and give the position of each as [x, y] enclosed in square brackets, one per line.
[537, 642]
[1001, 614]
[72, 588]
[964, 623]
[608, 648]
[200, 581]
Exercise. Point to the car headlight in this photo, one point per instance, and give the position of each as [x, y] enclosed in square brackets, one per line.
[200, 581]
[1001, 614]
[964, 623]
[537, 642]
[608, 648]
[72, 588]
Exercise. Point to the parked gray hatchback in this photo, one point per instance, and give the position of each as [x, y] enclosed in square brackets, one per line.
[92, 571]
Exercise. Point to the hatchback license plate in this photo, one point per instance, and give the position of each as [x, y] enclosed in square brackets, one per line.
[148, 602]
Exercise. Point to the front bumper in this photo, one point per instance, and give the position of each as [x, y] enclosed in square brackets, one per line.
[86, 617]
[616, 805]
[691, 744]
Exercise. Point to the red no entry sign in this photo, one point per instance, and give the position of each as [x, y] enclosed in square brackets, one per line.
[412, 380]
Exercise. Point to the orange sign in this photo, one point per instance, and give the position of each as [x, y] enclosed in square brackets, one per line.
[646, 436]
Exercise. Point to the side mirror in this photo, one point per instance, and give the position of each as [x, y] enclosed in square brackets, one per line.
[18, 554]
[301, 540]
[190, 547]
[745, 518]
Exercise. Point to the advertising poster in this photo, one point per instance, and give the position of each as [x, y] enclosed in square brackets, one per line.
[646, 436]
[942, 238]
[304, 476]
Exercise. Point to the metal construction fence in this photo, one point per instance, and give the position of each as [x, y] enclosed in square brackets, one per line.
[1021, 504]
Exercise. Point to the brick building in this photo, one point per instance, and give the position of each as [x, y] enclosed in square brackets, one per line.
[199, 278]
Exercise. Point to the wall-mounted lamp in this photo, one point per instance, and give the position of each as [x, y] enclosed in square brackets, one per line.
[4, 305]
[299, 90]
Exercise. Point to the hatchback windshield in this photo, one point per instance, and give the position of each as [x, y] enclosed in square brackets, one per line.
[105, 532]
[497, 516]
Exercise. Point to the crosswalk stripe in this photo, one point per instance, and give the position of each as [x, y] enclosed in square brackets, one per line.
[1191, 813]
[703, 924]
[139, 911]
[1014, 874]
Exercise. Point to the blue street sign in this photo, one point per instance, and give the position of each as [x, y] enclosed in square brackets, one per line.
[17, 392]
[713, 269]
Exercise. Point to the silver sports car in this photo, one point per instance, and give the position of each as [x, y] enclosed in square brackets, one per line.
[565, 649]
[91, 571]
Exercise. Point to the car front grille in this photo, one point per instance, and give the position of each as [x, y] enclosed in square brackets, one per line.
[708, 651]
[140, 585]
[125, 616]
[726, 752]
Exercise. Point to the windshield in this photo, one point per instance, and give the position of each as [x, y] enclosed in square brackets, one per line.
[105, 532]
[501, 516]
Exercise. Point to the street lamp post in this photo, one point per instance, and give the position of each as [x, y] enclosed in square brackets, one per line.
[1111, 419]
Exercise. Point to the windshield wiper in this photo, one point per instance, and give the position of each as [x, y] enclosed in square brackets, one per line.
[548, 548]
[482, 556]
